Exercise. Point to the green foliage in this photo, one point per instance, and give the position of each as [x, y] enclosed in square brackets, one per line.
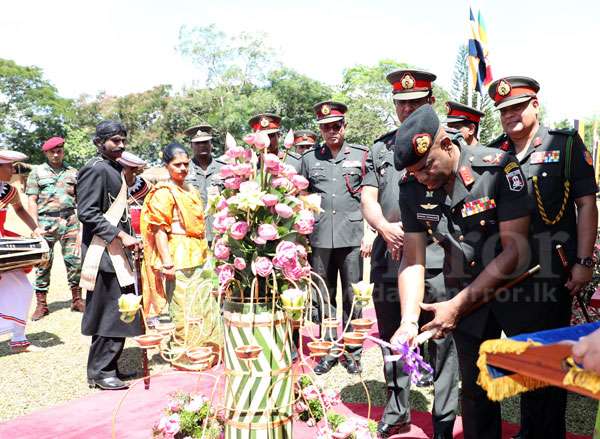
[78, 146]
[30, 109]
[335, 420]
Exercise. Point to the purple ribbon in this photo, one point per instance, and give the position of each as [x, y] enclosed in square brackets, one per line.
[412, 362]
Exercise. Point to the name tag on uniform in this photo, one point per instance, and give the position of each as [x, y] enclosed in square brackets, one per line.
[427, 217]
[478, 206]
[351, 164]
[545, 157]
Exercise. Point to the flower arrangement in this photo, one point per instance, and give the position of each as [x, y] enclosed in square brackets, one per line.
[129, 304]
[188, 416]
[314, 403]
[261, 222]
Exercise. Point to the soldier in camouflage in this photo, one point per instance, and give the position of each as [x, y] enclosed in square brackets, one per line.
[51, 192]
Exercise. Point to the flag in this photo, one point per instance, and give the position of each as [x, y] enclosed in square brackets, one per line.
[481, 70]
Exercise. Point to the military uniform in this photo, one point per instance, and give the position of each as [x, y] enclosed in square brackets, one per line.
[553, 158]
[338, 230]
[384, 274]
[489, 188]
[304, 140]
[55, 192]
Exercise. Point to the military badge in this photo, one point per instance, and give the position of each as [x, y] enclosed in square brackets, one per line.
[429, 194]
[421, 143]
[516, 181]
[429, 206]
[510, 167]
[325, 109]
[505, 146]
[588, 157]
[264, 122]
[504, 88]
[466, 175]
[545, 157]
[407, 81]
[305, 137]
[477, 206]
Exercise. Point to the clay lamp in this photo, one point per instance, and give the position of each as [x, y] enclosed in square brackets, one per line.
[319, 348]
[248, 352]
[362, 325]
[200, 354]
[354, 339]
[148, 340]
[165, 328]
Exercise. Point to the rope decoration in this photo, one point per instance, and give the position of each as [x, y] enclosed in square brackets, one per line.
[540, 205]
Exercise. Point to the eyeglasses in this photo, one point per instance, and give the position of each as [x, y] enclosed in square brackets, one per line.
[333, 126]
[117, 140]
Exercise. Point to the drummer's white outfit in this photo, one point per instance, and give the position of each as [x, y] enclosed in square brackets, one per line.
[16, 291]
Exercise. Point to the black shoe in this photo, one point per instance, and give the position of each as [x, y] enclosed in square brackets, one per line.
[110, 383]
[324, 366]
[126, 375]
[425, 381]
[386, 430]
[352, 366]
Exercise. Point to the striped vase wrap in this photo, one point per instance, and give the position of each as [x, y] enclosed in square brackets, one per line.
[258, 392]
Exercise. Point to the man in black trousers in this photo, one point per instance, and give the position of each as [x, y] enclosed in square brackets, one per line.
[102, 185]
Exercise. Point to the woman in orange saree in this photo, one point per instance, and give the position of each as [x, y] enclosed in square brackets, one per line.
[175, 249]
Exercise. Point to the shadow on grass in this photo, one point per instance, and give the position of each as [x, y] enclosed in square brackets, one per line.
[55, 306]
[43, 339]
[355, 393]
[131, 361]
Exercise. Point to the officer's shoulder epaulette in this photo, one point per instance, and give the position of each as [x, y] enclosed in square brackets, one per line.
[407, 177]
[498, 141]
[387, 137]
[7, 193]
[294, 154]
[357, 146]
[563, 131]
[482, 156]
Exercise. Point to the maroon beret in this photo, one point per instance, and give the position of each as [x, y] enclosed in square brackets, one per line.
[52, 142]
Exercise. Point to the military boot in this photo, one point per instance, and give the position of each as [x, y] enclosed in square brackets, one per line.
[41, 308]
[77, 304]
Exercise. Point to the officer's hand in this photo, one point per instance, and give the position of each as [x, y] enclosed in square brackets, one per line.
[405, 333]
[445, 317]
[393, 234]
[587, 351]
[366, 245]
[580, 277]
[127, 240]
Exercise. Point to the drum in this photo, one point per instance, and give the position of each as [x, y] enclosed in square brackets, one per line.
[22, 252]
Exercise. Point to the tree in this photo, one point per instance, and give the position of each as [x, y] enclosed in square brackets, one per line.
[489, 127]
[31, 110]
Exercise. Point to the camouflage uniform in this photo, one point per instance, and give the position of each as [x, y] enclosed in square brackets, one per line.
[55, 191]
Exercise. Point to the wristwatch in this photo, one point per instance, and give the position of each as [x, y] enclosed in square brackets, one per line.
[586, 262]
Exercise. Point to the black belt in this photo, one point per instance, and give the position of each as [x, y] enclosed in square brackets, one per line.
[65, 213]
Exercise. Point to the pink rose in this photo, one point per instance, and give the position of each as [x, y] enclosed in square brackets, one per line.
[270, 200]
[258, 240]
[267, 232]
[238, 230]
[235, 152]
[301, 251]
[226, 171]
[293, 271]
[288, 171]
[233, 182]
[239, 263]
[223, 221]
[221, 251]
[283, 210]
[261, 140]
[282, 182]
[305, 222]
[285, 254]
[262, 266]
[271, 161]
[243, 169]
[299, 182]
[225, 272]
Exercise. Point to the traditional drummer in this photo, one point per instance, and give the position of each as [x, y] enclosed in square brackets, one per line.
[15, 289]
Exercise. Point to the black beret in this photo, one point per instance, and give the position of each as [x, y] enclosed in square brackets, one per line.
[415, 136]
[109, 128]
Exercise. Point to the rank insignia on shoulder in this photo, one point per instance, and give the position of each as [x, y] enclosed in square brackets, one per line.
[510, 167]
[505, 146]
[545, 157]
[516, 181]
[588, 157]
[477, 206]
[495, 159]
[466, 175]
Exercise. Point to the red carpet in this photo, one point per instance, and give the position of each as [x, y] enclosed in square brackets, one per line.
[91, 417]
